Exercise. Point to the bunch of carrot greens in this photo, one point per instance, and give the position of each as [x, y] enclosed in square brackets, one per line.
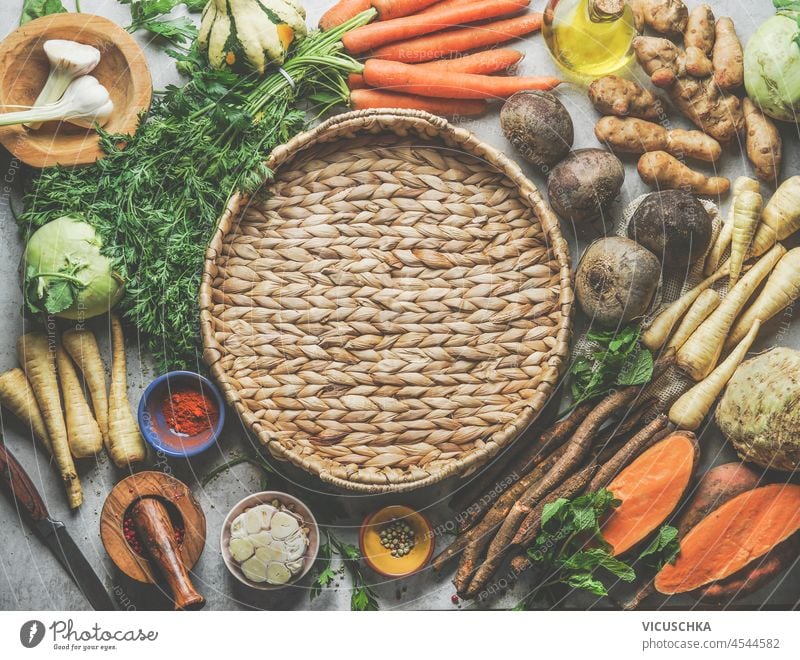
[155, 198]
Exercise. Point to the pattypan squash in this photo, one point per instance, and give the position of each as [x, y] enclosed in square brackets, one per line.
[249, 34]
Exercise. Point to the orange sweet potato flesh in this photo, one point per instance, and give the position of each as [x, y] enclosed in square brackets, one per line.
[740, 531]
[650, 488]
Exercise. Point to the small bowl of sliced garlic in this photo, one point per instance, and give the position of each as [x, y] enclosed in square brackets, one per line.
[269, 540]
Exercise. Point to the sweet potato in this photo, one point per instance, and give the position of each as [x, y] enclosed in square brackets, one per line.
[650, 488]
[737, 533]
[752, 577]
[715, 487]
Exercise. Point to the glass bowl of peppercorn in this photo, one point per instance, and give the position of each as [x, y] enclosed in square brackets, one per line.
[181, 414]
[396, 541]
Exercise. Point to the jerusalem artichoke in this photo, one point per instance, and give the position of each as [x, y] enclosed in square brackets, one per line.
[665, 172]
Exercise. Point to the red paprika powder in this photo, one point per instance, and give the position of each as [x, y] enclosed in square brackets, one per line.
[189, 412]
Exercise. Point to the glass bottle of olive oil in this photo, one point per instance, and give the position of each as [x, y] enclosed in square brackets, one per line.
[589, 38]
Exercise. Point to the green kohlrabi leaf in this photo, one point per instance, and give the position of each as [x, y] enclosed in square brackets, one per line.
[37, 8]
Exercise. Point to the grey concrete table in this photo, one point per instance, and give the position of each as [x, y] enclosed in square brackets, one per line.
[30, 578]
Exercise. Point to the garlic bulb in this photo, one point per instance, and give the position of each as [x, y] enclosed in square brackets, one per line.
[269, 542]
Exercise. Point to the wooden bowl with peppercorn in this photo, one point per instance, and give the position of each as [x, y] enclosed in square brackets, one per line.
[181, 414]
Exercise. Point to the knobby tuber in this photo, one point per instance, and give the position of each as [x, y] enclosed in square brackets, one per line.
[637, 136]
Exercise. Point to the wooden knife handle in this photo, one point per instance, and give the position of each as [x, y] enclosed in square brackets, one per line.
[157, 534]
[16, 482]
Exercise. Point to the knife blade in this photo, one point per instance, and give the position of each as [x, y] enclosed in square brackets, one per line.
[16, 483]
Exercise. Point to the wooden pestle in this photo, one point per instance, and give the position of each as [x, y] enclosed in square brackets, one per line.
[157, 535]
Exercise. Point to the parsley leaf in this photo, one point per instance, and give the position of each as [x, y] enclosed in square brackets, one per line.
[617, 359]
[37, 8]
[570, 548]
[663, 549]
[151, 15]
[362, 597]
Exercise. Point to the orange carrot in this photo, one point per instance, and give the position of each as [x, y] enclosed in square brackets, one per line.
[389, 9]
[363, 99]
[398, 77]
[484, 62]
[443, 44]
[342, 12]
[442, 4]
[355, 81]
[378, 34]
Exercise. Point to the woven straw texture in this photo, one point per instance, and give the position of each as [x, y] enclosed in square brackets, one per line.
[395, 309]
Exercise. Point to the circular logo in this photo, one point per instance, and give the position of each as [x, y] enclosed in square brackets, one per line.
[31, 634]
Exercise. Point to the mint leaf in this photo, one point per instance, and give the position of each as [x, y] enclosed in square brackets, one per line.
[638, 370]
[663, 549]
[32, 9]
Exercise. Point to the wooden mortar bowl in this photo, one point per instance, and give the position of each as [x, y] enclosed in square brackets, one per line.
[24, 68]
[131, 490]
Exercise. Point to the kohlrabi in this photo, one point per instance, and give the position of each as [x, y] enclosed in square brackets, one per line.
[65, 274]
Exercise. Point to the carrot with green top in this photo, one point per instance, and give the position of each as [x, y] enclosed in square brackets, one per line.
[342, 12]
[390, 9]
[374, 35]
[399, 77]
[447, 43]
[364, 99]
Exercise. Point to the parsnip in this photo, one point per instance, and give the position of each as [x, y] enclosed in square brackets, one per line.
[83, 433]
[689, 411]
[780, 218]
[699, 355]
[17, 396]
[706, 303]
[125, 442]
[781, 290]
[724, 239]
[82, 347]
[659, 330]
[37, 358]
[746, 212]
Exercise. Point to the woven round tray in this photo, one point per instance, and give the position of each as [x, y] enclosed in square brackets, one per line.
[395, 309]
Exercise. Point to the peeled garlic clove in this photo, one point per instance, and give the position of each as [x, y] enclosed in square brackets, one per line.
[277, 573]
[261, 539]
[295, 566]
[255, 569]
[283, 525]
[238, 529]
[265, 513]
[276, 551]
[296, 546]
[241, 549]
[252, 521]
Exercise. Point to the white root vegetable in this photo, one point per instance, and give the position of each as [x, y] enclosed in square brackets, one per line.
[699, 355]
[781, 290]
[82, 347]
[706, 303]
[37, 358]
[659, 330]
[125, 443]
[746, 212]
[689, 411]
[17, 396]
[724, 239]
[780, 218]
[83, 433]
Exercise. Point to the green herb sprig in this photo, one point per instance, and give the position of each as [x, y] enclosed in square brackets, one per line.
[362, 597]
[153, 16]
[156, 197]
[570, 549]
[618, 360]
[662, 550]
[37, 8]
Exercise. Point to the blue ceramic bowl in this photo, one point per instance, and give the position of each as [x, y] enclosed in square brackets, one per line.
[155, 429]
